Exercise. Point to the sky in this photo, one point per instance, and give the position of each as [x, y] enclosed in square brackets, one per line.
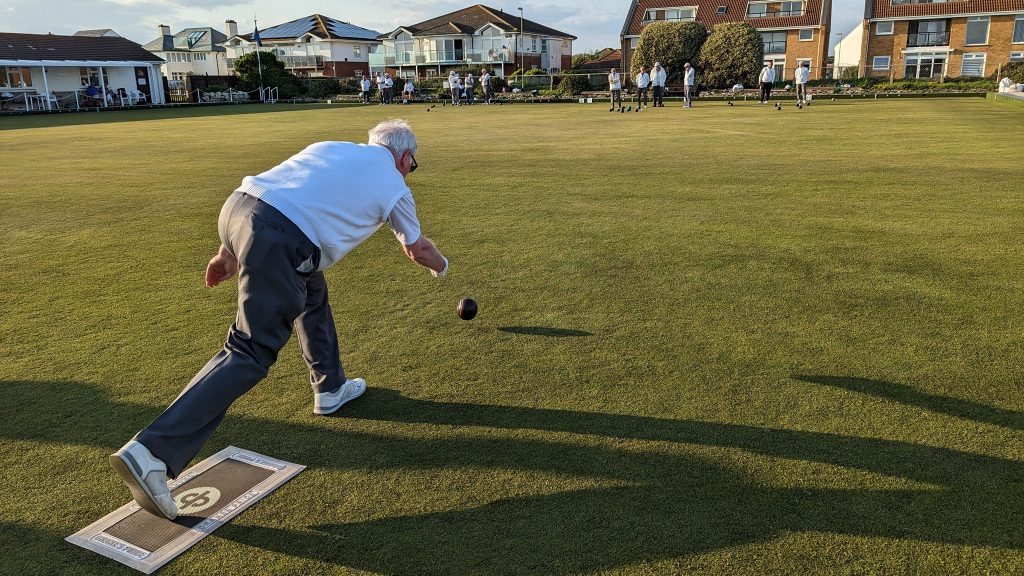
[596, 23]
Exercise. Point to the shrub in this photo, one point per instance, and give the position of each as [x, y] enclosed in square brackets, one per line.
[850, 73]
[274, 74]
[732, 54]
[671, 43]
[573, 85]
[1014, 71]
[323, 87]
[534, 72]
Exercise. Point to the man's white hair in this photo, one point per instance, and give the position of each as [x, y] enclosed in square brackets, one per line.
[395, 135]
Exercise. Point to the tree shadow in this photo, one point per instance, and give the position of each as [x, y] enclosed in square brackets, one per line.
[640, 504]
[544, 331]
[932, 402]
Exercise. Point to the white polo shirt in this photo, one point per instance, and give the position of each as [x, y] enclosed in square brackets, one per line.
[339, 194]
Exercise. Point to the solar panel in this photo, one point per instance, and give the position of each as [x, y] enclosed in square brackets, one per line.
[292, 29]
[346, 30]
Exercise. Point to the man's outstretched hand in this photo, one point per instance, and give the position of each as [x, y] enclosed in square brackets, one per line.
[221, 267]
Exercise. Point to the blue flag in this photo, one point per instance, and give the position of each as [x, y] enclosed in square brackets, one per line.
[256, 36]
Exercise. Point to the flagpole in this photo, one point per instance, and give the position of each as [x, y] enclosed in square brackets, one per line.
[259, 61]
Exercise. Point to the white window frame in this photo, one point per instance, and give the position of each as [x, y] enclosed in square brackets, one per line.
[800, 35]
[1016, 56]
[633, 41]
[878, 28]
[654, 12]
[974, 55]
[888, 63]
[1019, 18]
[357, 51]
[988, 29]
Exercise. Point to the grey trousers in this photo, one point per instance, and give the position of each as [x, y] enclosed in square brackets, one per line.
[279, 290]
[801, 92]
[686, 96]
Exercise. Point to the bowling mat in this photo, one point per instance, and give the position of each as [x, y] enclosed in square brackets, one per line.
[208, 495]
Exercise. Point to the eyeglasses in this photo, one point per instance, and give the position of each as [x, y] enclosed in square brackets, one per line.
[413, 166]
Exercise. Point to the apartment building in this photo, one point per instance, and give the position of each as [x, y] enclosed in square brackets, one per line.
[936, 39]
[474, 36]
[314, 45]
[192, 51]
[793, 32]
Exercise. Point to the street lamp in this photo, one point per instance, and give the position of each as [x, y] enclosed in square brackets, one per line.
[522, 47]
[835, 67]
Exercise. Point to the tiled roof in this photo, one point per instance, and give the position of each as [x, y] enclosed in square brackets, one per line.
[205, 40]
[606, 60]
[470, 19]
[56, 48]
[885, 9]
[96, 33]
[320, 26]
[736, 11]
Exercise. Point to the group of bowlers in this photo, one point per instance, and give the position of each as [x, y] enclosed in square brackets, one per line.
[463, 89]
[654, 82]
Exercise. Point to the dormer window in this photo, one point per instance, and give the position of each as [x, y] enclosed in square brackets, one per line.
[721, 10]
[773, 9]
[684, 13]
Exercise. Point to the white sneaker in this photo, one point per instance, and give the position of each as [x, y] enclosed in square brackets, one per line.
[329, 402]
[146, 477]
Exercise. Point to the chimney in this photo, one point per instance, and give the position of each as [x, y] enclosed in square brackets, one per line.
[231, 28]
[164, 29]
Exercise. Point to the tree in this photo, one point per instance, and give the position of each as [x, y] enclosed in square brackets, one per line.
[274, 74]
[582, 57]
[732, 55]
[670, 43]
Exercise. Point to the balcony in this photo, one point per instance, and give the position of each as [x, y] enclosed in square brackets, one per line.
[302, 61]
[928, 39]
[775, 14]
[387, 58]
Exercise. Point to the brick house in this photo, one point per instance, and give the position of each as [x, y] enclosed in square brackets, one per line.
[793, 32]
[935, 39]
[310, 46]
[477, 35]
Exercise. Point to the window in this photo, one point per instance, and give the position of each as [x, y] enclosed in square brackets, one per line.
[670, 14]
[1018, 29]
[533, 44]
[974, 64]
[357, 51]
[194, 37]
[880, 62]
[925, 65]
[774, 42]
[91, 76]
[806, 34]
[543, 46]
[1016, 56]
[977, 30]
[14, 77]
[200, 55]
[883, 28]
[771, 9]
[721, 10]
[632, 42]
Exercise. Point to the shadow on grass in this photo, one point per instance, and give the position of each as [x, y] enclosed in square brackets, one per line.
[651, 504]
[932, 402]
[544, 331]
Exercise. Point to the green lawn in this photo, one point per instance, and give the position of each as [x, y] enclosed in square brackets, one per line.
[723, 340]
